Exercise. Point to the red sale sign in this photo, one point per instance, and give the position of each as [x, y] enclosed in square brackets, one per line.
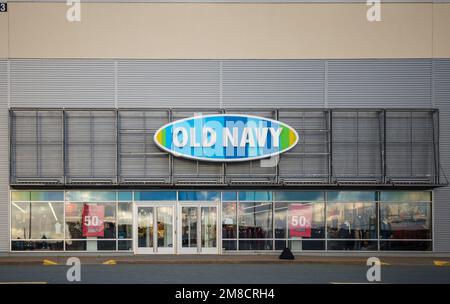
[93, 217]
[300, 216]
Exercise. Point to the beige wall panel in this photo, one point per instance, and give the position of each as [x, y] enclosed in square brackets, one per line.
[442, 30]
[4, 35]
[186, 30]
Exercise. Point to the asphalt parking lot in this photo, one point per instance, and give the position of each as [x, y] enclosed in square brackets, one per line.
[224, 273]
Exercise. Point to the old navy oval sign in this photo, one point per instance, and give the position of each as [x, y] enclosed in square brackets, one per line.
[226, 137]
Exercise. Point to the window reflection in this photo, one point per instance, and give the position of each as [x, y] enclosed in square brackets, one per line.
[405, 196]
[20, 221]
[189, 227]
[229, 220]
[282, 215]
[90, 196]
[405, 220]
[351, 196]
[352, 220]
[125, 221]
[74, 227]
[37, 220]
[47, 220]
[353, 245]
[255, 220]
[255, 224]
[406, 245]
[255, 245]
[37, 245]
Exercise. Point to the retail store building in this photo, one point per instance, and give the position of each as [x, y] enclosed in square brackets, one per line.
[367, 103]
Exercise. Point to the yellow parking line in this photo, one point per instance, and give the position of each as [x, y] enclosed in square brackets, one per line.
[110, 262]
[49, 263]
[441, 263]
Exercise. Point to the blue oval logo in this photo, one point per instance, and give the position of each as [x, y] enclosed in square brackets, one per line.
[226, 137]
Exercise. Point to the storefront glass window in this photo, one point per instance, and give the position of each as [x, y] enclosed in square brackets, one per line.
[91, 196]
[255, 220]
[405, 220]
[255, 195]
[366, 245]
[229, 220]
[229, 245]
[125, 220]
[229, 196]
[124, 196]
[304, 245]
[299, 196]
[289, 219]
[35, 220]
[43, 196]
[255, 245]
[351, 196]
[356, 220]
[39, 221]
[20, 221]
[198, 196]
[405, 196]
[155, 196]
[94, 215]
[37, 245]
[20, 196]
[73, 221]
[250, 220]
[394, 245]
[47, 220]
[47, 196]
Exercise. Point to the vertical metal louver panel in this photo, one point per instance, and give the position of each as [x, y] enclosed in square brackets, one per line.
[139, 158]
[409, 146]
[90, 146]
[357, 145]
[442, 195]
[168, 83]
[396, 83]
[62, 83]
[36, 146]
[257, 170]
[308, 160]
[188, 171]
[273, 83]
[4, 163]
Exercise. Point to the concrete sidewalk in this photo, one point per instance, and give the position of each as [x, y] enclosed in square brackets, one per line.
[221, 259]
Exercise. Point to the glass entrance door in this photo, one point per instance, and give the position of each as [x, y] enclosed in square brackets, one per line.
[198, 229]
[154, 229]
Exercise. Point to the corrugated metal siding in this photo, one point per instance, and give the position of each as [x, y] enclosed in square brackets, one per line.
[273, 83]
[442, 195]
[62, 83]
[4, 166]
[200, 84]
[379, 83]
[168, 83]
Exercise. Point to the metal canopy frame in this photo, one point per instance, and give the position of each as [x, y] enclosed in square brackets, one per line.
[376, 158]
